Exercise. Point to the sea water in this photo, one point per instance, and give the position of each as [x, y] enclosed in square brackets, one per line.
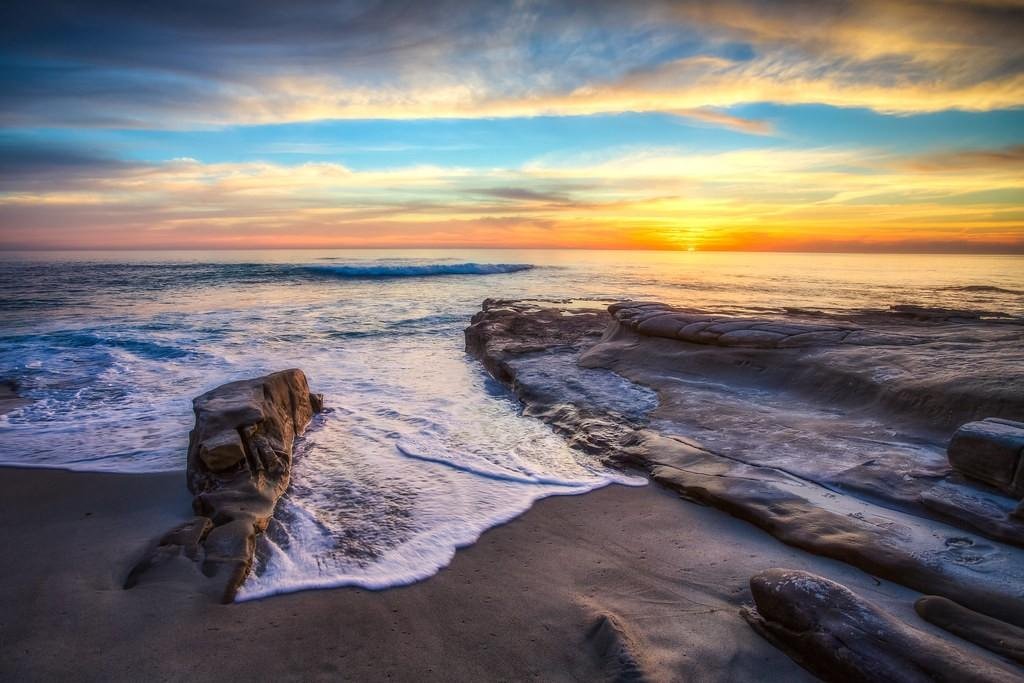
[419, 451]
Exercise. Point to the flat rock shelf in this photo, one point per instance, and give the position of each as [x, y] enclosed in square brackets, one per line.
[829, 433]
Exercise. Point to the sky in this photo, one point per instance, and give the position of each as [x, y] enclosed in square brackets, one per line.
[763, 125]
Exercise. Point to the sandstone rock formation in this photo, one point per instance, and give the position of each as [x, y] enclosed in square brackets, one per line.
[827, 433]
[239, 464]
[943, 372]
[840, 636]
[798, 513]
[991, 634]
[991, 451]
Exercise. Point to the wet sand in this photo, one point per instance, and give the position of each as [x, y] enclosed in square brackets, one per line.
[578, 588]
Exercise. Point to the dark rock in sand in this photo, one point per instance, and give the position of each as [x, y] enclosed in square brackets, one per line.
[839, 636]
[991, 634]
[239, 464]
[991, 451]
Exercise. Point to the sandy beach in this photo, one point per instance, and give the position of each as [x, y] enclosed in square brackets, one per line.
[524, 603]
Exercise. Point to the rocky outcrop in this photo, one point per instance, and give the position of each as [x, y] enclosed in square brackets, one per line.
[991, 451]
[505, 332]
[505, 328]
[797, 513]
[239, 464]
[839, 636]
[991, 634]
[661, 320]
[834, 440]
[941, 372]
[970, 507]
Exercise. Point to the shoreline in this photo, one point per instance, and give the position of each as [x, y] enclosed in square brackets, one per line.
[528, 600]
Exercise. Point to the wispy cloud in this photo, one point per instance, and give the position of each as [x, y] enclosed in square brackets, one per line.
[727, 120]
[1010, 158]
[101, 62]
[749, 199]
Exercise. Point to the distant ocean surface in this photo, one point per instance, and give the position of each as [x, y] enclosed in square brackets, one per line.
[420, 451]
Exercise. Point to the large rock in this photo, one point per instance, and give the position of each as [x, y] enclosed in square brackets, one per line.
[239, 464]
[991, 451]
[840, 636]
[555, 364]
[910, 551]
[991, 634]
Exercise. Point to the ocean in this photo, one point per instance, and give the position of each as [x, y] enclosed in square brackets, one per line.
[420, 451]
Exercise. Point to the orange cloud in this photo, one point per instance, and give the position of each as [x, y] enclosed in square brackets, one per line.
[748, 199]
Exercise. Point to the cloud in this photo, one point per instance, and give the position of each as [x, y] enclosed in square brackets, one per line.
[1011, 157]
[188, 64]
[726, 120]
[520, 194]
[36, 164]
[769, 198]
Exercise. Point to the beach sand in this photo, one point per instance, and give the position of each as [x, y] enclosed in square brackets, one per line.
[524, 603]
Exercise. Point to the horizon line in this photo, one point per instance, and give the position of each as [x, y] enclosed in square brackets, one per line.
[1016, 251]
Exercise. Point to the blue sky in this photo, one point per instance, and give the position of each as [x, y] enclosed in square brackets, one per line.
[508, 142]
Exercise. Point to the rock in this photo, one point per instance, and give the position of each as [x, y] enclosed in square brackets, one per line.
[970, 507]
[10, 399]
[666, 325]
[850, 433]
[822, 338]
[943, 314]
[660, 320]
[839, 636]
[992, 451]
[747, 337]
[239, 464]
[504, 329]
[998, 636]
[222, 450]
[956, 567]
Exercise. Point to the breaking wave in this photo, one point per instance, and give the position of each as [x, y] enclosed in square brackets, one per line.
[422, 270]
[984, 288]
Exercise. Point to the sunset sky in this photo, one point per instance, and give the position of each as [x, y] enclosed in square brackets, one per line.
[819, 125]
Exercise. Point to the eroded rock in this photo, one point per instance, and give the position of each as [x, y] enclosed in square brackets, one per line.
[661, 320]
[839, 636]
[970, 507]
[880, 410]
[991, 634]
[239, 464]
[792, 511]
[992, 451]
